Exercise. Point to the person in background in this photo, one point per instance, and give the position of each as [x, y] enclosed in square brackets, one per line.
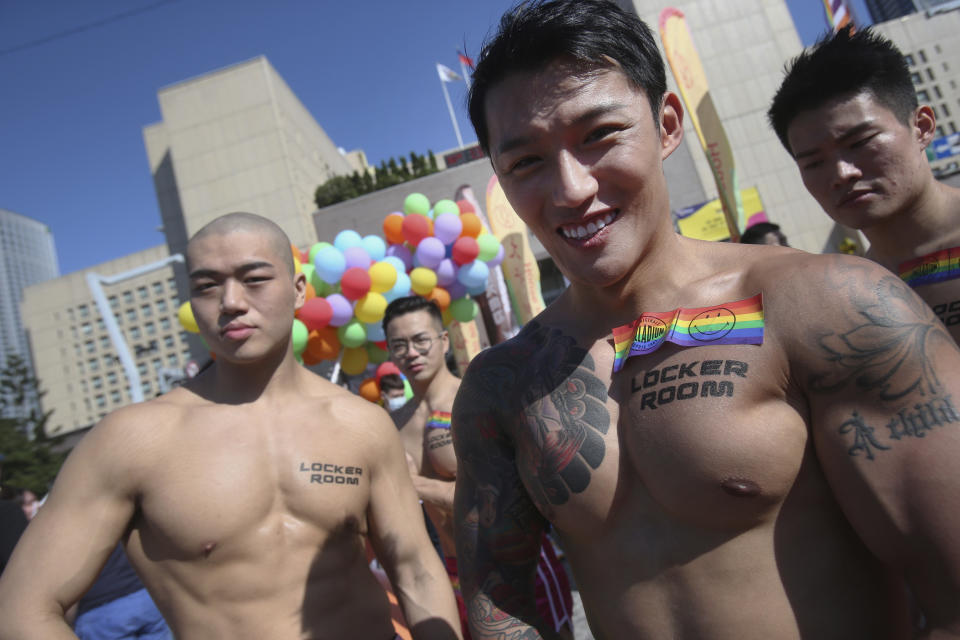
[847, 113]
[392, 392]
[764, 233]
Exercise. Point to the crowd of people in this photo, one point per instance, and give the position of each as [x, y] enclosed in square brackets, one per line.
[725, 441]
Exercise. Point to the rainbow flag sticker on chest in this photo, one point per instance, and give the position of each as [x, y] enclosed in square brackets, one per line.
[728, 323]
[933, 267]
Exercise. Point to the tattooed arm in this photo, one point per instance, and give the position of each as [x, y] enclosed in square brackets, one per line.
[498, 528]
[882, 378]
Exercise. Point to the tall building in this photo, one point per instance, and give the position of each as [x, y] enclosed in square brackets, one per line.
[238, 139]
[73, 354]
[930, 43]
[883, 10]
[27, 256]
[744, 46]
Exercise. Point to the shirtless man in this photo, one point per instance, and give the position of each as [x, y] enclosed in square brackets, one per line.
[242, 498]
[847, 112]
[787, 489]
[417, 344]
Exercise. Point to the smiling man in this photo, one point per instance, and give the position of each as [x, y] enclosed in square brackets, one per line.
[730, 441]
[242, 498]
[847, 112]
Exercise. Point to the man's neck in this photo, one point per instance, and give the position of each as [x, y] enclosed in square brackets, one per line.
[430, 390]
[929, 224]
[244, 383]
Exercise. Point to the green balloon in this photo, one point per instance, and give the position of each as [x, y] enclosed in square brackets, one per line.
[445, 206]
[416, 203]
[377, 355]
[300, 335]
[309, 272]
[464, 309]
[352, 334]
[489, 246]
[317, 246]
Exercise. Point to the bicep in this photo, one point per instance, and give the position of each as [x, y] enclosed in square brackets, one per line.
[66, 544]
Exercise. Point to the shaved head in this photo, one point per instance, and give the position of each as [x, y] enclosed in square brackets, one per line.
[248, 223]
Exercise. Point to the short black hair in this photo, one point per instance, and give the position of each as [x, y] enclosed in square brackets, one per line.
[410, 304]
[595, 33]
[756, 233]
[840, 65]
[391, 381]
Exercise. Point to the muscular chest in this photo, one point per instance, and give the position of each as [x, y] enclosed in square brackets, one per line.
[705, 435]
[236, 487]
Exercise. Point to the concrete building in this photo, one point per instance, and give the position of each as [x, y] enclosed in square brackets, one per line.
[72, 353]
[931, 44]
[744, 46]
[27, 256]
[883, 10]
[238, 139]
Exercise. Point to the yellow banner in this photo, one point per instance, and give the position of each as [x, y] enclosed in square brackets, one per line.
[465, 341]
[692, 81]
[519, 265]
[706, 221]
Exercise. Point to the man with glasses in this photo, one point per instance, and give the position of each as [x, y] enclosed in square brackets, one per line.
[418, 343]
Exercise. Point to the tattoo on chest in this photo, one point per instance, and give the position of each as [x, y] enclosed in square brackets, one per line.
[663, 386]
[908, 422]
[886, 352]
[327, 473]
[564, 407]
[948, 312]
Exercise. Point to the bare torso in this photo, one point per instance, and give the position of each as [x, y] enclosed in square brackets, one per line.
[685, 488]
[251, 519]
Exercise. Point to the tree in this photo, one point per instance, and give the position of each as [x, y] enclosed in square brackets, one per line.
[336, 189]
[29, 462]
[432, 159]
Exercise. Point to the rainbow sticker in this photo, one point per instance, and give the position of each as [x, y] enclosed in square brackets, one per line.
[439, 420]
[729, 323]
[934, 267]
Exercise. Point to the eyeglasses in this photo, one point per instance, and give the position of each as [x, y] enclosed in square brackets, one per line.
[420, 343]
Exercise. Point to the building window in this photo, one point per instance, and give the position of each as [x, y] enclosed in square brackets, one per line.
[916, 78]
[941, 132]
[114, 302]
[97, 382]
[142, 292]
[168, 342]
[147, 387]
[946, 67]
[127, 297]
[111, 377]
[952, 127]
[131, 315]
[172, 360]
[930, 74]
[101, 401]
[108, 360]
[923, 56]
[165, 323]
[936, 48]
[104, 342]
[161, 306]
[115, 396]
[936, 91]
[945, 110]
[909, 59]
[88, 346]
[93, 364]
[146, 311]
[157, 288]
[100, 325]
[86, 328]
[134, 333]
[922, 96]
[84, 311]
[150, 328]
[142, 368]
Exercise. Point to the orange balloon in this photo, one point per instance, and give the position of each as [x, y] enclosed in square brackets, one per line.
[311, 292]
[370, 390]
[323, 344]
[440, 296]
[308, 359]
[471, 225]
[392, 228]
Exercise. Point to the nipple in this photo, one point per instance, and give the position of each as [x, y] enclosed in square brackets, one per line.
[208, 549]
[740, 487]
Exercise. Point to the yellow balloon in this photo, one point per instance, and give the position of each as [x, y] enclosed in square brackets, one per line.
[370, 308]
[423, 280]
[354, 360]
[185, 316]
[383, 276]
[297, 266]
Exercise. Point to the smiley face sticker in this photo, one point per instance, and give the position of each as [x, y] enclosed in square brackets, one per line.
[713, 324]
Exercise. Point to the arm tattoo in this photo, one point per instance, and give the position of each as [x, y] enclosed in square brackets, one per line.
[887, 351]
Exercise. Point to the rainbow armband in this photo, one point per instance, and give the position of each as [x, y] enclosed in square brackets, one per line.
[729, 323]
[439, 420]
[933, 267]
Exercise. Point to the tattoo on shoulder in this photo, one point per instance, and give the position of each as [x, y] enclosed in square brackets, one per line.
[907, 423]
[887, 350]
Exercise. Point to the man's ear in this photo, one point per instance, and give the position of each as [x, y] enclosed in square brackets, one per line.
[924, 125]
[300, 283]
[671, 123]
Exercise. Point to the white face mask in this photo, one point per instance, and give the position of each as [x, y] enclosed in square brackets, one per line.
[395, 403]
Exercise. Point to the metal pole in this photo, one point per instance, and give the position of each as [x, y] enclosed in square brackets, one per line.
[453, 118]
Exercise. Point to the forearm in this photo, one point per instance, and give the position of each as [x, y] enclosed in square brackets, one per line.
[428, 604]
[438, 493]
[18, 623]
[489, 622]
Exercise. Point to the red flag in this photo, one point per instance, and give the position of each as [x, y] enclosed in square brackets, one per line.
[465, 60]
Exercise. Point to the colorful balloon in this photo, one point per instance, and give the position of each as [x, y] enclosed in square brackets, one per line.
[346, 239]
[377, 355]
[415, 228]
[488, 246]
[375, 246]
[416, 203]
[401, 253]
[315, 313]
[447, 227]
[445, 206]
[464, 309]
[446, 272]
[383, 275]
[355, 283]
[370, 308]
[456, 290]
[315, 248]
[299, 335]
[430, 252]
[387, 368]
[354, 360]
[440, 296]
[423, 280]
[399, 290]
[495, 262]
[465, 250]
[323, 344]
[185, 316]
[342, 310]
[393, 228]
[370, 390]
[471, 225]
[473, 274]
[357, 257]
[330, 264]
[375, 332]
[352, 334]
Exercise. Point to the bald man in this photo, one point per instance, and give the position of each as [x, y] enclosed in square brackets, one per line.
[243, 499]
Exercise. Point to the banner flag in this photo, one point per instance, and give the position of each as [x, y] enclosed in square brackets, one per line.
[447, 74]
[692, 81]
[838, 13]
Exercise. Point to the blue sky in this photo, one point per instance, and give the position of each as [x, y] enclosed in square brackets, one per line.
[73, 106]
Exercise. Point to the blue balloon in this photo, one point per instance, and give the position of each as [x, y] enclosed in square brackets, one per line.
[473, 274]
[329, 264]
[375, 331]
[346, 239]
[478, 290]
[397, 263]
[400, 290]
[375, 247]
